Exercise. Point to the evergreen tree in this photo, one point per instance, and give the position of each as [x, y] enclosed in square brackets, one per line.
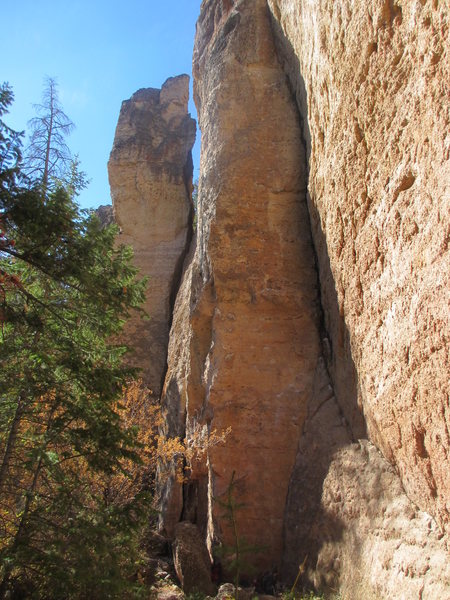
[47, 157]
[65, 292]
[234, 555]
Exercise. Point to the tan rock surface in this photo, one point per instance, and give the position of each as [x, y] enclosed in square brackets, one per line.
[372, 80]
[191, 560]
[245, 340]
[368, 135]
[150, 174]
[347, 514]
[376, 539]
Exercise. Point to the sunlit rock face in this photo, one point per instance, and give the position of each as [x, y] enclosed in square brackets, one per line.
[150, 174]
[313, 313]
[245, 341]
[371, 83]
[371, 80]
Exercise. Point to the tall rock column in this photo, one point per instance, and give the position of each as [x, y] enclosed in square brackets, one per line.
[364, 145]
[244, 345]
[150, 174]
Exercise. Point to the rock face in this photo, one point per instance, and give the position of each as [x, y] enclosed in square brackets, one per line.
[371, 80]
[375, 542]
[191, 560]
[105, 214]
[150, 174]
[325, 158]
[348, 513]
[245, 341]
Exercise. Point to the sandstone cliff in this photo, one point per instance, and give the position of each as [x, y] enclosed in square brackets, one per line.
[372, 83]
[311, 323]
[313, 311]
[150, 174]
[245, 342]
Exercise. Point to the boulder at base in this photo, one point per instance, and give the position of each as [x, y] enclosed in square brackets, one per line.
[191, 558]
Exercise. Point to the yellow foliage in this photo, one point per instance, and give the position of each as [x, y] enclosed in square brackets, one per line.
[138, 409]
[141, 409]
[184, 453]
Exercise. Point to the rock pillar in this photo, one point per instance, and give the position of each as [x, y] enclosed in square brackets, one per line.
[150, 174]
[245, 341]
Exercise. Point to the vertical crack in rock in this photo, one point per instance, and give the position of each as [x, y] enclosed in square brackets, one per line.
[150, 174]
[178, 270]
[329, 425]
[245, 346]
[335, 336]
[378, 187]
[376, 203]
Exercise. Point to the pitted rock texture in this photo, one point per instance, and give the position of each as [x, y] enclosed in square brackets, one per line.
[150, 174]
[245, 338]
[377, 544]
[341, 108]
[372, 82]
[191, 560]
[347, 514]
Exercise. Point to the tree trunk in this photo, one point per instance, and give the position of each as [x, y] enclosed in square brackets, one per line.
[48, 145]
[4, 592]
[11, 442]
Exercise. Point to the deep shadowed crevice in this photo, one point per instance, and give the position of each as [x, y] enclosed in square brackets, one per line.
[169, 490]
[188, 172]
[333, 331]
[334, 419]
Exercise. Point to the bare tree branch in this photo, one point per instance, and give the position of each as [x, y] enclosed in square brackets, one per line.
[47, 156]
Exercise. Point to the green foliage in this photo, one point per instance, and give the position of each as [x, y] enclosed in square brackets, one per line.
[47, 157]
[235, 554]
[195, 595]
[10, 142]
[65, 292]
[302, 596]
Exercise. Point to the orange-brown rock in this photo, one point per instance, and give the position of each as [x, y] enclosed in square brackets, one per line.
[245, 338]
[372, 80]
[150, 174]
[325, 120]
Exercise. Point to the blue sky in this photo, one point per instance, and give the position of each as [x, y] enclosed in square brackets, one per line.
[100, 52]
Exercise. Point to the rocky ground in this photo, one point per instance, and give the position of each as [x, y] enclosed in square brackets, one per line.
[176, 572]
